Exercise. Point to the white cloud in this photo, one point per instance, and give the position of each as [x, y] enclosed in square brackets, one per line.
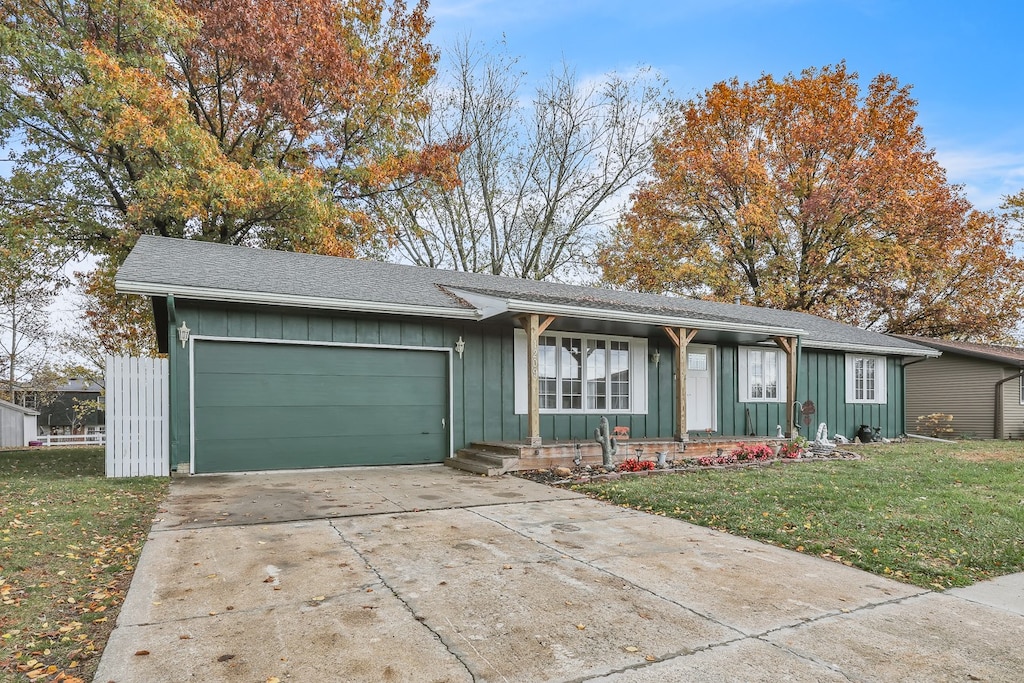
[987, 175]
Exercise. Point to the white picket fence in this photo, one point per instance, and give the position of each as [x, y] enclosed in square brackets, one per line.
[137, 417]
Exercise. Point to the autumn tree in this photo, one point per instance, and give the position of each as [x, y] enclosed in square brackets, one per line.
[808, 194]
[264, 122]
[539, 181]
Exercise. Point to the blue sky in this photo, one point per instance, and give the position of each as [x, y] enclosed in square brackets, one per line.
[964, 60]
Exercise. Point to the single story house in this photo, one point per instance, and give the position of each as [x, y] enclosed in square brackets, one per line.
[17, 424]
[74, 407]
[288, 360]
[979, 385]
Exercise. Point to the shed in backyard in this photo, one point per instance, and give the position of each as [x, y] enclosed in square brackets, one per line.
[286, 360]
[17, 424]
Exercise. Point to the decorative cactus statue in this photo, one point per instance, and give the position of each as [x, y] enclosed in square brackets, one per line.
[609, 447]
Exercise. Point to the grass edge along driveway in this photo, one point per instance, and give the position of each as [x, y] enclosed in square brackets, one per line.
[933, 515]
[69, 542]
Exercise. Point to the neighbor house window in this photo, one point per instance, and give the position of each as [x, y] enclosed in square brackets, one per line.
[585, 373]
[865, 379]
[762, 374]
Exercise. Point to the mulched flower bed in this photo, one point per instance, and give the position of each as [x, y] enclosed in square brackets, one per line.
[582, 474]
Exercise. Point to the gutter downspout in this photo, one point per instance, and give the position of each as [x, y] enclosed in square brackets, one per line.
[997, 418]
[903, 379]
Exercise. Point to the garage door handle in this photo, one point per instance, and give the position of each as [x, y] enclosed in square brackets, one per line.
[442, 423]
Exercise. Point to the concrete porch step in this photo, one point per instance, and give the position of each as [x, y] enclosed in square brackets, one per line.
[485, 462]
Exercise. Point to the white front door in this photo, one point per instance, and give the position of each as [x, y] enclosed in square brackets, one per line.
[700, 388]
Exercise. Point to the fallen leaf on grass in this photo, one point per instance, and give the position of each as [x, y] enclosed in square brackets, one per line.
[141, 653]
[632, 648]
[225, 658]
[581, 626]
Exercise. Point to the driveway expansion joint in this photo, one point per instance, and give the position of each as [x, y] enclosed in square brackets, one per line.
[421, 620]
[606, 572]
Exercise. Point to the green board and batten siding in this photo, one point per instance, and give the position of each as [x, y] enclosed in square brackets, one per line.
[482, 401]
[820, 378]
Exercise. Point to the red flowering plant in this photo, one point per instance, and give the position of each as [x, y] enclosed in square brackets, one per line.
[636, 465]
[752, 452]
[793, 449]
[723, 459]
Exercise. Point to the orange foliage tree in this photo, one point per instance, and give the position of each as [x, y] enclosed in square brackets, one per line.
[806, 194]
[270, 123]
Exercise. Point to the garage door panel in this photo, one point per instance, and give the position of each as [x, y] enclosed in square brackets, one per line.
[306, 391]
[269, 406]
[235, 422]
[269, 359]
[270, 454]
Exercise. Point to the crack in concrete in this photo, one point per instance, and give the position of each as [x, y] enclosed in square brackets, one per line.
[607, 572]
[742, 636]
[421, 620]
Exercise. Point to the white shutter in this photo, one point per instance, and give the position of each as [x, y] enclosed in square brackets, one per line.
[638, 376]
[519, 365]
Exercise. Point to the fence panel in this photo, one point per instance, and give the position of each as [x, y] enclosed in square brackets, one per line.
[137, 417]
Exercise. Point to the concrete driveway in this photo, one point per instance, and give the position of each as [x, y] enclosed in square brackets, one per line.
[428, 574]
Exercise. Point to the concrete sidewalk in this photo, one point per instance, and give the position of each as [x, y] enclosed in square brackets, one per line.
[429, 574]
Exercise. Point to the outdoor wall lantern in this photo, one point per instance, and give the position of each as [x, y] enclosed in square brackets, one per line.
[460, 346]
[656, 357]
[183, 334]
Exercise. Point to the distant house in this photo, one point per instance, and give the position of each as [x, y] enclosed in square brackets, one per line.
[980, 385]
[17, 424]
[287, 360]
[74, 407]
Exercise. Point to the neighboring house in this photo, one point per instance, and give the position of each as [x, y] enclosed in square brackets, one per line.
[286, 360]
[978, 384]
[75, 407]
[17, 424]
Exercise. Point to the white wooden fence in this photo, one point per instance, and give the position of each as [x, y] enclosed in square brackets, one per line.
[94, 439]
[137, 417]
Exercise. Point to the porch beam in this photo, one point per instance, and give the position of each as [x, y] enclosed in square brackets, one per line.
[788, 346]
[531, 322]
[680, 337]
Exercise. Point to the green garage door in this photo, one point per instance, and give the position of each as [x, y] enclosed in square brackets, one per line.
[282, 406]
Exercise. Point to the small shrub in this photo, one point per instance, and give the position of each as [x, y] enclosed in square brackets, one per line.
[636, 465]
[938, 425]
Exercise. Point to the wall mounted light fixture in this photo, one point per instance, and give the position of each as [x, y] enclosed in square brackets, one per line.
[460, 346]
[656, 357]
[183, 334]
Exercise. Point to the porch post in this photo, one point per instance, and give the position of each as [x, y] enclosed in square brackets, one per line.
[534, 328]
[680, 337]
[788, 346]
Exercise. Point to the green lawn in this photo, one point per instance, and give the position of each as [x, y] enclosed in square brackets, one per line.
[933, 515]
[69, 541]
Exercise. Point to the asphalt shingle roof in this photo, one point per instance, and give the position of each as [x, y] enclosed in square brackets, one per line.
[1009, 355]
[177, 263]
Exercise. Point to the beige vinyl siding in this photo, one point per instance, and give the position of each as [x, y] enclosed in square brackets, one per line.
[1013, 411]
[959, 386]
